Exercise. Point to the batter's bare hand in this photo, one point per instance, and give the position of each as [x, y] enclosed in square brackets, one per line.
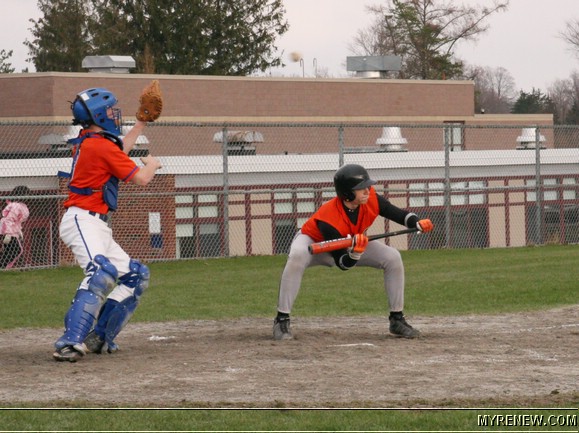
[359, 244]
[424, 226]
[150, 159]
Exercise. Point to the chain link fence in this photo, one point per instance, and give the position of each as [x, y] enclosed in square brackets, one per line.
[244, 189]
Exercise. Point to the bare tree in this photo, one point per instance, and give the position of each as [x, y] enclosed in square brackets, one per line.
[575, 80]
[494, 89]
[573, 117]
[424, 34]
[562, 93]
[571, 35]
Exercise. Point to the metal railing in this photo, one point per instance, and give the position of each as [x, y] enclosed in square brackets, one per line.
[242, 189]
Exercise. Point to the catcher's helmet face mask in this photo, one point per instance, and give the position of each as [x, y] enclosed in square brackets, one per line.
[349, 178]
[95, 106]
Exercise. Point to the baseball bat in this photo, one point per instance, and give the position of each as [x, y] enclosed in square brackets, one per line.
[339, 244]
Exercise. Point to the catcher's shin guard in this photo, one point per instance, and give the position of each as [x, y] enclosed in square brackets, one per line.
[86, 303]
[115, 315]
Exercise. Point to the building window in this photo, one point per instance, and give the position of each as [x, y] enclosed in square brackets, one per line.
[570, 193]
[559, 224]
[431, 194]
[209, 240]
[468, 223]
[283, 208]
[458, 199]
[548, 194]
[454, 136]
[291, 209]
[474, 198]
[207, 206]
[283, 234]
[185, 241]
[558, 221]
[436, 195]
[198, 222]
[417, 197]
[468, 229]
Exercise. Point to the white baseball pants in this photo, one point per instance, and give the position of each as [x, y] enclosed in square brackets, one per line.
[87, 236]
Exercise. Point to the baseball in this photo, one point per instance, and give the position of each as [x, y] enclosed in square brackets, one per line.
[295, 56]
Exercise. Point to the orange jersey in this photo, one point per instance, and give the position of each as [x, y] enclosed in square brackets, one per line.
[333, 213]
[98, 160]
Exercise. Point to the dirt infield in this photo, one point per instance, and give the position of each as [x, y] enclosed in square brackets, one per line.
[337, 362]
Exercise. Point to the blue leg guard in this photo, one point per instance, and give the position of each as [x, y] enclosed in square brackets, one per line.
[86, 303]
[115, 315]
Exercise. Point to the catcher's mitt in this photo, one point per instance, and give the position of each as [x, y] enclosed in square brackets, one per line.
[150, 103]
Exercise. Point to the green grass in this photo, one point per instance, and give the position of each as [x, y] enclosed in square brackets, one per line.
[440, 282]
[270, 420]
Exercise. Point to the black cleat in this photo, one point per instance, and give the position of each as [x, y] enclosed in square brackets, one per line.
[281, 329]
[400, 328]
[94, 343]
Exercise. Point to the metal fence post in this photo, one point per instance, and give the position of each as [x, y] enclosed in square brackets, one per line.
[447, 208]
[340, 145]
[225, 192]
[538, 186]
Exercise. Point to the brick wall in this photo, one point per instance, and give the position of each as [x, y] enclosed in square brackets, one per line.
[48, 94]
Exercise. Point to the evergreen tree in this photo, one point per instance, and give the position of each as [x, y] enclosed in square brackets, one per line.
[61, 36]
[193, 37]
[5, 65]
[535, 102]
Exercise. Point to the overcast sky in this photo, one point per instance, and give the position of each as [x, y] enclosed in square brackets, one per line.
[523, 40]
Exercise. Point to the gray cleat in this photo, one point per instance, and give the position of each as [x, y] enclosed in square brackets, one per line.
[67, 353]
[400, 328]
[281, 329]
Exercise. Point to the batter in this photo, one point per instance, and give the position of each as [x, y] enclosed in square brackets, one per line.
[350, 213]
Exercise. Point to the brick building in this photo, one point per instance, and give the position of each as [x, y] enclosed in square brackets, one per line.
[265, 195]
[45, 97]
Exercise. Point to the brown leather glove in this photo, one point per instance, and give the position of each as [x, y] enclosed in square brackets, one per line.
[150, 103]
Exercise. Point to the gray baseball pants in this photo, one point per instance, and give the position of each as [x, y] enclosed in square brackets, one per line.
[377, 255]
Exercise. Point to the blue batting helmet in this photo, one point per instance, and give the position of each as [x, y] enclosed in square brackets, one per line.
[91, 108]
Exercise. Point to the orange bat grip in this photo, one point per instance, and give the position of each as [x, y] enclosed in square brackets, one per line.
[326, 246]
[339, 244]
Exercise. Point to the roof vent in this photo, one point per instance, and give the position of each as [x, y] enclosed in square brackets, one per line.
[239, 142]
[528, 139]
[373, 66]
[109, 64]
[392, 140]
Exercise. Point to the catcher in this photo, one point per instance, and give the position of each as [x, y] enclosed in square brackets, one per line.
[350, 213]
[113, 282]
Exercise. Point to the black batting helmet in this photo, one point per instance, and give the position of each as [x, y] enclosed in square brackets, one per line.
[349, 178]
